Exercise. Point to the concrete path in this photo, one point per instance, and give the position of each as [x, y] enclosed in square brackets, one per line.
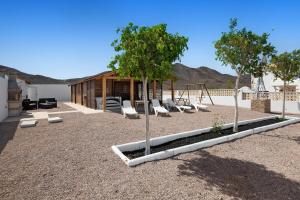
[83, 109]
[44, 114]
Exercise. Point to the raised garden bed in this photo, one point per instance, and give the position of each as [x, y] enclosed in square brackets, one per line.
[167, 146]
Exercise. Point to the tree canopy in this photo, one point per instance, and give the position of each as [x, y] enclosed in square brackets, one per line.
[286, 66]
[147, 51]
[242, 49]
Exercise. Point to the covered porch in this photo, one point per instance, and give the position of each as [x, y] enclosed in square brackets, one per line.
[107, 91]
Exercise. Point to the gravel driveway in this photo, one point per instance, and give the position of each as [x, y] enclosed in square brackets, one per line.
[74, 160]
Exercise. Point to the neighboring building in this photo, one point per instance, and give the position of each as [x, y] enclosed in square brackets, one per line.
[106, 90]
[61, 92]
[273, 85]
[14, 89]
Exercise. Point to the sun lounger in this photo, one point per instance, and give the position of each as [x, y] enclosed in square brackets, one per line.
[127, 109]
[54, 119]
[197, 105]
[158, 108]
[28, 123]
[181, 108]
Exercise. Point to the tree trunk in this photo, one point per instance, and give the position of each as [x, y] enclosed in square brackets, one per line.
[236, 111]
[283, 102]
[145, 96]
[257, 88]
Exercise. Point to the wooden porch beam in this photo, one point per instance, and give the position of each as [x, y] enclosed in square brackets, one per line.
[154, 89]
[114, 77]
[132, 91]
[172, 91]
[104, 94]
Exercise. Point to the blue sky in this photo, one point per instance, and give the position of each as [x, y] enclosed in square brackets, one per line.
[71, 38]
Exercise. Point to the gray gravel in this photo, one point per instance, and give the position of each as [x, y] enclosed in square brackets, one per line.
[73, 160]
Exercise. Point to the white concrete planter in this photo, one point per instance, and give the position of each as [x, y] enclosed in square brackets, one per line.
[118, 149]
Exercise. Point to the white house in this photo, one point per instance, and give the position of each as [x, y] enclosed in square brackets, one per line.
[273, 85]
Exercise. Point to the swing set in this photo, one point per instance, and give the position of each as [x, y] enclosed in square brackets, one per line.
[199, 86]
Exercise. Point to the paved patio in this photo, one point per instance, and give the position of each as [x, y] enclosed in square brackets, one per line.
[74, 160]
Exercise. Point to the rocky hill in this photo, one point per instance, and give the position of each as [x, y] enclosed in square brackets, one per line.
[35, 79]
[211, 77]
[184, 74]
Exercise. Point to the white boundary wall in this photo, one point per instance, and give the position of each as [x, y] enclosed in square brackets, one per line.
[292, 107]
[62, 92]
[3, 97]
[227, 101]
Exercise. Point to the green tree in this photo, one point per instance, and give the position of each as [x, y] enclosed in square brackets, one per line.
[243, 51]
[147, 53]
[286, 67]
[229, 84]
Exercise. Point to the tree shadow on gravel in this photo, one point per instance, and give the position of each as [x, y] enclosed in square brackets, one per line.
[7, 133]
[240, 179]
[298, 140]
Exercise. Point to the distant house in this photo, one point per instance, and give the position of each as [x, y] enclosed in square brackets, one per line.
[273, 85]
[106, 91]
[38, 86]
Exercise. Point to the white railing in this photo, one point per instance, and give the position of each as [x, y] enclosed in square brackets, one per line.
[275, 96]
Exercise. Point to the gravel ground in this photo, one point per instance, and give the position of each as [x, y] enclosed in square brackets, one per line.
[73, 160]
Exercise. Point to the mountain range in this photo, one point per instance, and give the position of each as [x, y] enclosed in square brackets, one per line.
[184, 75]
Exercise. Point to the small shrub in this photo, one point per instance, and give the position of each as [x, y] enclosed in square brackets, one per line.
[217, 125]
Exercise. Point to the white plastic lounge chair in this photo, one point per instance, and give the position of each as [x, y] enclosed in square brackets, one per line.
[28, 123]
[54, 119]
[127, 109]
[197, 105]
[158, 108]
[181, 108]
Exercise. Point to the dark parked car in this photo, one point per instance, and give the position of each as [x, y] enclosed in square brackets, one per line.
[27, 104]
[47, 103]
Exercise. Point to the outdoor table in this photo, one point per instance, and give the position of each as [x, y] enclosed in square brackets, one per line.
[33, 104]
[138, 104]
[185, 101]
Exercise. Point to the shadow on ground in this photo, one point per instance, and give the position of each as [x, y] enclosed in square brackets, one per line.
[240, 179]
[7, 133]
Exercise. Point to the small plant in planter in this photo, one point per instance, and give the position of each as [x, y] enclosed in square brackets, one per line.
[217, 125]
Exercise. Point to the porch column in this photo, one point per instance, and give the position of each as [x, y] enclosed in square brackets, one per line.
[132, 91]
[71, 93]
[154, 89]
[75, 95]
[172, 91]
[81, 91]
[103, 93]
